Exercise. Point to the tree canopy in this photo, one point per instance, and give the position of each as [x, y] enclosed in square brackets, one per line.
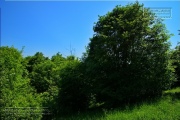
[127, 60]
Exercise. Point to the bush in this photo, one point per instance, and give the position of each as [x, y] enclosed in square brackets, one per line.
[16, 95]
[72, 96]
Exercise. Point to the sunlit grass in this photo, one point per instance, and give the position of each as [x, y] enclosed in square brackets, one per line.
[165, 109]
[175, 90]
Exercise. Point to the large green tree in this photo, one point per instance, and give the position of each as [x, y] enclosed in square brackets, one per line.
[45, 79]
[128, 56]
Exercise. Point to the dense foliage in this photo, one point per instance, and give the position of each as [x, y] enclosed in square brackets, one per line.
[127, 60]
[128, 56]
[15, 91]
[72, 94]
[175, 57]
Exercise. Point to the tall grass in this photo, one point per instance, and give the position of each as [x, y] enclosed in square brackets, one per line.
[166, 108]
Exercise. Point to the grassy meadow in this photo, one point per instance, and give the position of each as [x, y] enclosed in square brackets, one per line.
[165, 108]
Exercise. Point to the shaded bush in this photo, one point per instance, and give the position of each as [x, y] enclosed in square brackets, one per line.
[72, 96]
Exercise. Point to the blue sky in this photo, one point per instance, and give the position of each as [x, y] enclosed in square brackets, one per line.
[52, 27]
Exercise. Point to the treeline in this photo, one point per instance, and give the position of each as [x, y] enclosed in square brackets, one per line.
[127, 60]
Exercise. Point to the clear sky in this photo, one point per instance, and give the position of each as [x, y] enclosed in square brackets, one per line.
[51, 27]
